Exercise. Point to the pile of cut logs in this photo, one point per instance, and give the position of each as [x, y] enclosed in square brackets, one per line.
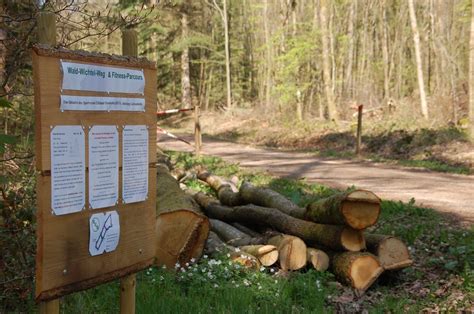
[258, 226]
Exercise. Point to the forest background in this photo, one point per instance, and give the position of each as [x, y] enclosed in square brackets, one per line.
[295, 63]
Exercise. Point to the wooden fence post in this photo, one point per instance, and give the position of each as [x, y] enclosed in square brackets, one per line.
[359, 129]
[129, 282]
[197, 131]
[47, 35]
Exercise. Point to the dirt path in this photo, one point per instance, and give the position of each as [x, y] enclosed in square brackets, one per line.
[448, 193]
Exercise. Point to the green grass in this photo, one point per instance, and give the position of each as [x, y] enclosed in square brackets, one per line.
[435, 165]
[441, 278]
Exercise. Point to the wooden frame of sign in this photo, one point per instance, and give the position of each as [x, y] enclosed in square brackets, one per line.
[64, 263]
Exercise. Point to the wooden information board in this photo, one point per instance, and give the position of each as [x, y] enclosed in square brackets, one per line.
[66, 259]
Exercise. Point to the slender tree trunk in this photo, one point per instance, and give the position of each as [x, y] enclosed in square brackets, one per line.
[471, 76]
[331, 106]
[350, 50]
[185, 79]
[227, 54]
[419, 65]
[386, 62]
[268, 56]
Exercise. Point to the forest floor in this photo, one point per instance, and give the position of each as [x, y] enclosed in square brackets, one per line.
[309, 158]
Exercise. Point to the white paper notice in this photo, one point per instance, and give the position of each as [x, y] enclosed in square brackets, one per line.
[104, 232]
[96, 78]
[93, 103]
[135, 163]
[67, 169]
[103, 166]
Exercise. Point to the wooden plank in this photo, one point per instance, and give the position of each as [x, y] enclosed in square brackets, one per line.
[63, 249]
[63, 262]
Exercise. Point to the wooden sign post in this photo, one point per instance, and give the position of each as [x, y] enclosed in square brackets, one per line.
[96, 183]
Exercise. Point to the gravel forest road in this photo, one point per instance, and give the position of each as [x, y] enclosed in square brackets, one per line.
[448, 193]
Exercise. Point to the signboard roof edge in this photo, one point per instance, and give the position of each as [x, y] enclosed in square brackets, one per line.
[94, 57]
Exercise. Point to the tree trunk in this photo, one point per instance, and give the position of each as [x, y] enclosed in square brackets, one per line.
[232, 235]
[331, 236]
[268, 57]
[392, 252]
[471, 75]
[419, 65]
[185, 79]
[225, 191]
[331, 105]
[181, 228]
[318, 259]
[225, 20]
[250, 194]
[357, 269]
[291, 251]
[350, 50]
[358, 209]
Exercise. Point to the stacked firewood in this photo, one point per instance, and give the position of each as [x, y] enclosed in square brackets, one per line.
[265, 228]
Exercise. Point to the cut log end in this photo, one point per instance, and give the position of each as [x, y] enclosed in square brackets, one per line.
[352, 240]
[361, 209]
[291, 251]
[180, 236]
[393, 254]
[266, 254]
[364, 271]
[318, 259]
[358, 269]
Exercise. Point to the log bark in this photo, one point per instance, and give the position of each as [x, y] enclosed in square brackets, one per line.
[215, 245]
[181, 227]
[392, 252]
[357, 269]
[250, 194]
[232, 235]
[247, 230]
[291, 251]
[357, 209]
[266, 254]
[335, 237]
[225, 191]
[318, 259]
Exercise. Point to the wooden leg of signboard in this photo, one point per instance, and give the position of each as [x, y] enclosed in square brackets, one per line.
[127, 294]
[49, 307]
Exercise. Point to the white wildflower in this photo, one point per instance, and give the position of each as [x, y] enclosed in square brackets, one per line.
[193, 260]
[272, 270]
[228, 255]
[187, 264]
[262, 268]
[237, 249]
[205, 256]
[177, 265]
[216, 285]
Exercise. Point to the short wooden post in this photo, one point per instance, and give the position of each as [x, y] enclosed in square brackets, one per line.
[127, 294]
[50, 307]
[128, 283]
[359, 129]
[129, 43]
[47, 28]
[197, 131]
[47, 35]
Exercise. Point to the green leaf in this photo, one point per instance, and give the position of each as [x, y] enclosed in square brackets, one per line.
[451, 265]
[5, 103]
[3, 180]
[7, 139]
